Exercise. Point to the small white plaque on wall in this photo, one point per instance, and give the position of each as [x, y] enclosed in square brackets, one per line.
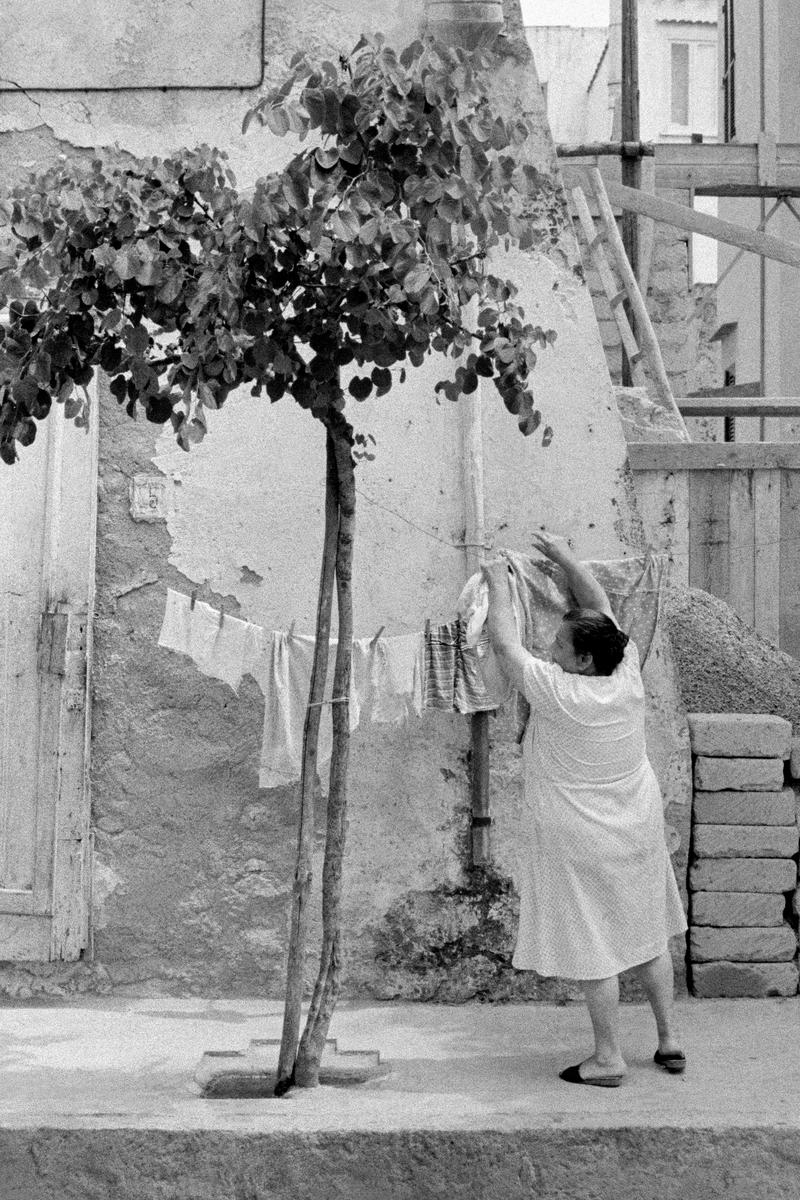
[149, 498]
[72, 45]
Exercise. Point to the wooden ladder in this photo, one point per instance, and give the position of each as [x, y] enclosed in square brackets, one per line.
[603, 243]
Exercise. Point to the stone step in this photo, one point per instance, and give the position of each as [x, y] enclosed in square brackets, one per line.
[745, 841]
[745, 808]
[756, 944]
[738, 979]
[715, 774]
[794, 759]
[737, 909]
[739, 735]
[743, 875]
[252, 1073]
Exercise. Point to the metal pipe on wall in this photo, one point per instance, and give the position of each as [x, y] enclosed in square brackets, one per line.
[470, 23]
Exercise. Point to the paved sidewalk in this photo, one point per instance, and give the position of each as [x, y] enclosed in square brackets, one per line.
[98, 1100]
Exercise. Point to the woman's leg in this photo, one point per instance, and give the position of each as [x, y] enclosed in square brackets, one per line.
[602, 1000]
[656, 978]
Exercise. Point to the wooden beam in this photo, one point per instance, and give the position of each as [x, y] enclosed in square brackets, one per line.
[646, 228]
[733, 390]
[628, 149]
[719, 406]
[682, 217]
[730, 169]
[713, 456]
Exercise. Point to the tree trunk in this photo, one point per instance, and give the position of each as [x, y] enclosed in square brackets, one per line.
[298, 935]
[326, 989]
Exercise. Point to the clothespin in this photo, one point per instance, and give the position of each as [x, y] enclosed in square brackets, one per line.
[221, 617]
[377, 635]
[193, 600]
[291, 630]
[427, 627]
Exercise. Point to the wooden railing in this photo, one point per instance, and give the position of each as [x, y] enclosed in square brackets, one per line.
[738, 402]
[728, 513]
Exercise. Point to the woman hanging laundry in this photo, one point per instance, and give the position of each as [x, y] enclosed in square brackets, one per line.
[597, 891]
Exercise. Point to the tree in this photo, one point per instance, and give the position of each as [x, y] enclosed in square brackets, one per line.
[360, 256]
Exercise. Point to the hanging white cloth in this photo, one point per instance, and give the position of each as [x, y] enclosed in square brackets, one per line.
[396, 678]
[283, 672]
[218, 644]
[386, 680]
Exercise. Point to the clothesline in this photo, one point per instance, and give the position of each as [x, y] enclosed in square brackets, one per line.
[392, 678]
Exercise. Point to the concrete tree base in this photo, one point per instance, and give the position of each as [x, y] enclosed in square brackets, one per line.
[252, 1073]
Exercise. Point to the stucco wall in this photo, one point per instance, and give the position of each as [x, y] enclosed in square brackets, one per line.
[193, 862]
[572, 66]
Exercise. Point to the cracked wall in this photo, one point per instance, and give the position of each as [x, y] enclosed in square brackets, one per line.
[193, 861]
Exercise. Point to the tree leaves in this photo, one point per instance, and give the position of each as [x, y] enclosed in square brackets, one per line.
[364, 249]
[416, 279]
[359, 387]
[136, 339]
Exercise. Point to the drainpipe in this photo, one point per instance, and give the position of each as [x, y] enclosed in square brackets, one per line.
[474, 545]
[470, 23]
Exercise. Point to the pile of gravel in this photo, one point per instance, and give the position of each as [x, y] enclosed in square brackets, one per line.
[722, 665]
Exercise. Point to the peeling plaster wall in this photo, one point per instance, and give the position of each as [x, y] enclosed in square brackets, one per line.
[193, 862]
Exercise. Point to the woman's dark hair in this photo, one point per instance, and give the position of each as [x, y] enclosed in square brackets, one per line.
[596, 634]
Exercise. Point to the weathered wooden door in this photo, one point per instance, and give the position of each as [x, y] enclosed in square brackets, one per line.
[47, 510]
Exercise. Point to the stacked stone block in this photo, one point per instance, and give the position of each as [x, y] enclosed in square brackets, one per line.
[743, 873]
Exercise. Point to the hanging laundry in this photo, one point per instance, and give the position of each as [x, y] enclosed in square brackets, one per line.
[634, 586]
[218, 644]
[453, 678]
[283, 672]
[540, 598]
[385, 687]
[396, 678]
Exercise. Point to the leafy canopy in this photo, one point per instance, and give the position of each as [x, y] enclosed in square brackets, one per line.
[362, 253]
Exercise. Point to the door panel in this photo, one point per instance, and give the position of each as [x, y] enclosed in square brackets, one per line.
[19, 738]
[48, 507]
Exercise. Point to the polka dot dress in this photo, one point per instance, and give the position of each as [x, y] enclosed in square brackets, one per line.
[597, 889]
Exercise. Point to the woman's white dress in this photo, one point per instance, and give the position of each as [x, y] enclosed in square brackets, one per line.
[597, 889]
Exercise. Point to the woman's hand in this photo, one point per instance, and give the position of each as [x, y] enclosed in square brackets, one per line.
[494, 572]
[554, 547]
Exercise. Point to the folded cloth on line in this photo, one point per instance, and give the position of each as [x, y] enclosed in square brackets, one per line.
[454, 681]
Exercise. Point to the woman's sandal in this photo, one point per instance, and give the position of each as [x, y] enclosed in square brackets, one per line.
[675, 1063]
[573, 1075]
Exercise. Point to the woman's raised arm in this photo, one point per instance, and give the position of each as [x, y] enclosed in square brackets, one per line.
[582, 583]
[502, 627]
